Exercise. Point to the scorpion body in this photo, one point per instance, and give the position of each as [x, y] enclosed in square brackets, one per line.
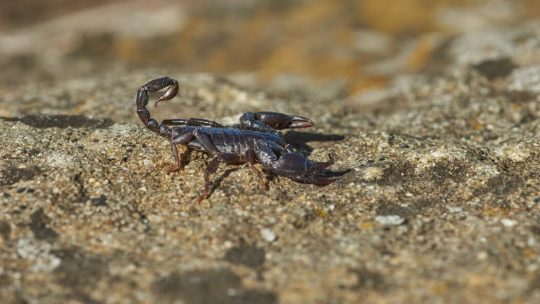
[227, 140]
[255, 139]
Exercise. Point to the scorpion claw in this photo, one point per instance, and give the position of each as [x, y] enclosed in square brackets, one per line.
[300, 169]
[327, 163]
[274, 120]
[320, 181]
[321, 178]
[299, 122]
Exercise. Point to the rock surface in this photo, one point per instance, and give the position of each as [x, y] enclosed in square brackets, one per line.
[442, 201]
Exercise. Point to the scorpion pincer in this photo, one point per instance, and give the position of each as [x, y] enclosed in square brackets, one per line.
[255, 139]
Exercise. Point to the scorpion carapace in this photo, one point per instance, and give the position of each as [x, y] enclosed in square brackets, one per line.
[255, 139]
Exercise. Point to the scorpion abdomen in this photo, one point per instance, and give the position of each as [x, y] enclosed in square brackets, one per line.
[229, 140]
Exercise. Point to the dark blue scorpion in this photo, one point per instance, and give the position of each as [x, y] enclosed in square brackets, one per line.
[255, 139]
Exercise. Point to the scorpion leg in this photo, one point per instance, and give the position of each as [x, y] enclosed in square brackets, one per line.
[210, 169]
[251, 160]
[178, 138]
[206, 142]
[179, 161]
[177, 165]
[184, 158]
[270, 121]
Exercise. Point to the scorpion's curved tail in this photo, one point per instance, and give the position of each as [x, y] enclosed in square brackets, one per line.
[142, 101]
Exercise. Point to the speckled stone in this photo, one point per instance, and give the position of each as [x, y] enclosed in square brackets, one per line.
[89, 213]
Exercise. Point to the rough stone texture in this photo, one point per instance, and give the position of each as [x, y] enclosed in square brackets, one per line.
[442, 202]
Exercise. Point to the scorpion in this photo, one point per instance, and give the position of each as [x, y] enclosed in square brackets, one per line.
[255, 139]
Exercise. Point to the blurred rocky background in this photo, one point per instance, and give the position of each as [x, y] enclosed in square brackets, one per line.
[325, 47]
[432, 105]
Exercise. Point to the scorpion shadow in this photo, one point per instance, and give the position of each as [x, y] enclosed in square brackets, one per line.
[299, 140]
[217, 182]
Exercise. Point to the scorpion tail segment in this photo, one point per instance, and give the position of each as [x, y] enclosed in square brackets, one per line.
[142, 101]
[154, 86]
[273, 120]
[169, 94]
[300, 169]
